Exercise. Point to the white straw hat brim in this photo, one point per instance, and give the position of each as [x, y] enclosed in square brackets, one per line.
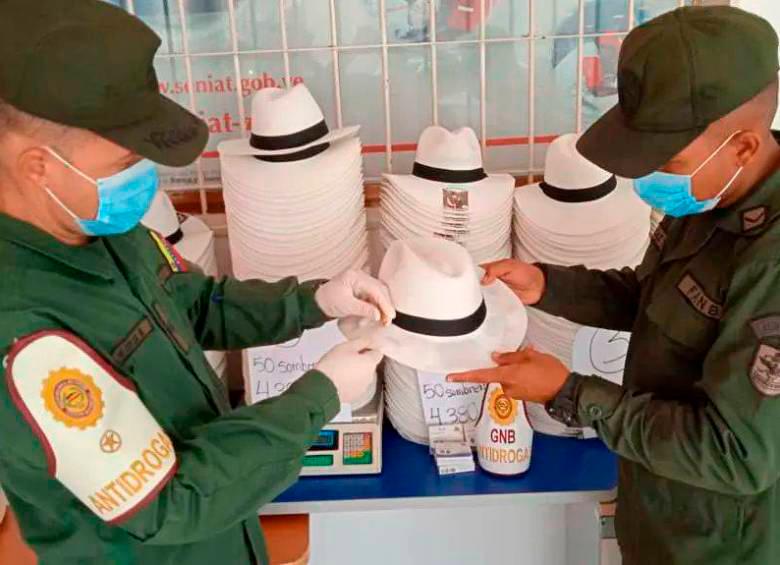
[581, 218]
[504, 329]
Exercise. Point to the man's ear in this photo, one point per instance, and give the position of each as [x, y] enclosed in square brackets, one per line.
[31, 165]
[747, 145]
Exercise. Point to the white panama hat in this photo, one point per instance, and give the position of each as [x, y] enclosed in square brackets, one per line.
[446, 321]
[162, 218]
[285, 122]
[449, 195]
[577, 197]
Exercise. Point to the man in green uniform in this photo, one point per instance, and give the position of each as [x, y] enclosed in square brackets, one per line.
[697, 420]
[117, 441]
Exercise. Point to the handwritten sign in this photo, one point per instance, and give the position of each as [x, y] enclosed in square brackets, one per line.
[449, 403]
[600, 352]
[271, 370]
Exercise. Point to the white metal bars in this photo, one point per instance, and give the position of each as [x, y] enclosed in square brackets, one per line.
[432, 41]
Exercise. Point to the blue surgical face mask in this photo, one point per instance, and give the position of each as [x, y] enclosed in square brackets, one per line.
[673, 194]
[123, 198]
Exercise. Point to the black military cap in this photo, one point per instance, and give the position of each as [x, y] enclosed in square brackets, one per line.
[88, 64]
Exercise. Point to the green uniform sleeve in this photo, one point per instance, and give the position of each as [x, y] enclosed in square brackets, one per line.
[231, 314]
[227, 468]
[233, 465]
[726, 438]
[602, 299]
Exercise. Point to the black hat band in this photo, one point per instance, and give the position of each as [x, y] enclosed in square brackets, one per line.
[296, 156]
[289, 141]
[447, 175]
[442, 328]
[175, 237]
[579, 195]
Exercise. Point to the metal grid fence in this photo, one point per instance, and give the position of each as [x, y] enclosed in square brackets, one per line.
[532, 140]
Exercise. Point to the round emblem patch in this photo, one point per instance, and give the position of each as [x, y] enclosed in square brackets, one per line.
[73, 398]
[502, 409]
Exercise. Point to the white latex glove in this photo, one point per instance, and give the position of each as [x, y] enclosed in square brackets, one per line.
[354, 293]
[351, 366]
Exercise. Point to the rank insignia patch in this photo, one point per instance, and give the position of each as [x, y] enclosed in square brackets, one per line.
[754, 218]
[765, 372]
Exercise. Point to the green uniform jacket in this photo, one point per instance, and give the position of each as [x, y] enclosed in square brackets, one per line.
[130, 301]
[697, 420]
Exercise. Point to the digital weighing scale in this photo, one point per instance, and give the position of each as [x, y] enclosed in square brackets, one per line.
[350, 448]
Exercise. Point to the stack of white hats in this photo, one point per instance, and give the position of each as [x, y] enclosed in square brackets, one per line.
[449, 195]
[294, 192]
[403, 402]
[446, 322]
[194, 241]
[579, 215]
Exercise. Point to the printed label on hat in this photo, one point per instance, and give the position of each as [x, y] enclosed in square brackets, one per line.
[100, 440]
[270, 370]
[449, 403]
[504, 437]
[455, 199]
[601, 352]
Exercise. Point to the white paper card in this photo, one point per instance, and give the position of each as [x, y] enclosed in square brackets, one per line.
[272, 369]
[449, 403]
[600, 352]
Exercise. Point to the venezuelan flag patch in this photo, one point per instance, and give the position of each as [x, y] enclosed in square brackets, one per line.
[175, 261]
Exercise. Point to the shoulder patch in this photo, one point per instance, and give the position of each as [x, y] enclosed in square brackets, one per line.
[100, 440]
[765, 370]
[754, 218]
[696, 297]
[172, 257]
[769, 326]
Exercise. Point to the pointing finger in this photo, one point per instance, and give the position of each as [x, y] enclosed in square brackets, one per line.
[481, 376]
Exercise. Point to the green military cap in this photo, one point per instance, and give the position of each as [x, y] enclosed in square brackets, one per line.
[677, 74]
[88, 64]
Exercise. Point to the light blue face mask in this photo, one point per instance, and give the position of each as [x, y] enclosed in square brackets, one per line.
[673, 194]
[123, 198]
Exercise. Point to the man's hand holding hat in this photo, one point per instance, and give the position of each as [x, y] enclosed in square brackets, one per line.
[354, 293]
[525, 280]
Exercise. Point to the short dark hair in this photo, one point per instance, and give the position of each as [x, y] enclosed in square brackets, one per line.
[13, 119]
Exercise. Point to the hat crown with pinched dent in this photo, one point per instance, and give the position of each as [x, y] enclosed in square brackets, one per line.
[431, 278]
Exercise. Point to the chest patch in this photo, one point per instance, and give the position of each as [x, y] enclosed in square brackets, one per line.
[693, 292]
[765, 372]
[175, 261]
[100, 440]
[658, 237]
[132, 341]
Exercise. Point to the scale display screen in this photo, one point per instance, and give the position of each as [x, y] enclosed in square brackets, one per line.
[327, 440]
